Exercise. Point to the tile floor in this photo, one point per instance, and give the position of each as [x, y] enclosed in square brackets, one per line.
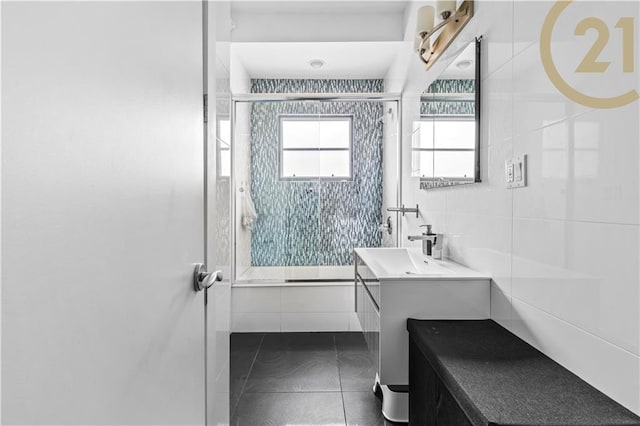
[302, 379]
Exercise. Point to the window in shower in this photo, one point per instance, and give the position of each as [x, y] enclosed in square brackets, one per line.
[314, 147]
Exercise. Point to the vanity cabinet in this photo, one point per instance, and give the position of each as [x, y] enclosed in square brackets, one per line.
[367, 309]
[394, 284]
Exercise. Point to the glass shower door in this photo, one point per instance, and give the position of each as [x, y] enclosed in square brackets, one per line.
[316, 172]
[284, 185]
[300, 171]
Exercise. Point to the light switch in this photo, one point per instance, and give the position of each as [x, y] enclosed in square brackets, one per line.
[516, 172]
[509, 172]
[517, 166]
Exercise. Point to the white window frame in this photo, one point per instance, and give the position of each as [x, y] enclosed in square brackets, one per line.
[313, 117]
[434, 119]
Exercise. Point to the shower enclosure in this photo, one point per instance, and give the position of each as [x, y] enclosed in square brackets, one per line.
[309, 182]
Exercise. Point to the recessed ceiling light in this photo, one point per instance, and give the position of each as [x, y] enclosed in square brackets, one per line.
[316, 64]
[463, 64]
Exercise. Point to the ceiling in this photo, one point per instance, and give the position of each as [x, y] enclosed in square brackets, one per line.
[315, 6]
[317, 21]
[342, 59]
[354, 39]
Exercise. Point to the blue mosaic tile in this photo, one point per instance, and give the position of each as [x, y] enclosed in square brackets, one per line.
[306, 223]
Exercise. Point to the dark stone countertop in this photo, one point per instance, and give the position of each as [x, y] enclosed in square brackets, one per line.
[499, 379]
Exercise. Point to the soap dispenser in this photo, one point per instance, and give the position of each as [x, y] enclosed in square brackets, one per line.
[429, 242]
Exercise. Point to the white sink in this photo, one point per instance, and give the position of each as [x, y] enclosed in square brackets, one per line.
[402, 261]
[410, 263]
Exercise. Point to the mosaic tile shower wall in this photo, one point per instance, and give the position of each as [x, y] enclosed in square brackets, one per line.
[452, 107]
[307, 223]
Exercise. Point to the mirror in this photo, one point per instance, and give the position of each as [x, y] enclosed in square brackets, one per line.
[446, 138]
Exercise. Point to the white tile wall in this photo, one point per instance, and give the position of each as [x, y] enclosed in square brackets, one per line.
[246, 322]
[317, 299]
[605, 366]
[390, 171]
[498, 46]
[287, 307]
[564, 252]
[575, 281]
[256, 300]
[583, 169]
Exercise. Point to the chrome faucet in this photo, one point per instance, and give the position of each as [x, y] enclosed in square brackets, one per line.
[404, 210]
[428, 240]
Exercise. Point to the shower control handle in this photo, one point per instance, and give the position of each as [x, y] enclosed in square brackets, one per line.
[203, 279]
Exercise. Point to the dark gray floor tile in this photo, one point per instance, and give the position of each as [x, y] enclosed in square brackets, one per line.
[357, 370]
[350, 341]
[234, 399]
[279, 409]
[245, 340]
[364, 409]
[294, 371]
[296, 378]
[244, 347]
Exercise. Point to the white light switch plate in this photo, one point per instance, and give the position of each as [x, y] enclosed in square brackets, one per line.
[508, 172]
[516, 172]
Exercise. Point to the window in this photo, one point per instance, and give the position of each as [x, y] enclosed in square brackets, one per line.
[444, 147]
[223, 143]
[315, 147]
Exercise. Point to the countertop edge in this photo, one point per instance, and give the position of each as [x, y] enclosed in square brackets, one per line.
[466, 273]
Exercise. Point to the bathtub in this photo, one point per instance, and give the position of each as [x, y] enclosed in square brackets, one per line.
[294, 298]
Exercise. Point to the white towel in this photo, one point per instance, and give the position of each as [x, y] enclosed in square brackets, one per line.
[248, 211]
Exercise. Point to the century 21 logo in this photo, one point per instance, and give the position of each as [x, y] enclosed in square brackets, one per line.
[590, 63]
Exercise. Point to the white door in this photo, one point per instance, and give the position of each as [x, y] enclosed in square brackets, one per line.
[102, 213]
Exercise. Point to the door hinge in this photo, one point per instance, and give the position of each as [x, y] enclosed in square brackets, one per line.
[205, 104]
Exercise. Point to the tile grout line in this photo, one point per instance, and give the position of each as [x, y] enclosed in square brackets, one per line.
[244, 384]
[344, 408]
